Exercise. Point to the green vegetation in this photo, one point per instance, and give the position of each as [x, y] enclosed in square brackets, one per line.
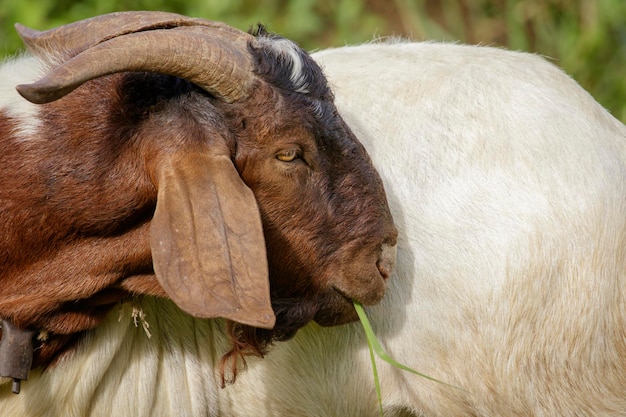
[585, 37]
[376, 350]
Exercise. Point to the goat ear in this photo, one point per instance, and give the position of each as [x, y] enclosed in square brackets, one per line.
[207, 241]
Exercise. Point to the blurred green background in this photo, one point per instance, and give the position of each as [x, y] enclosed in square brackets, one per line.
[585, 37]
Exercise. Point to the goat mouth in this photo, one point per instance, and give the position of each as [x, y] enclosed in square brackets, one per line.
[343, 295]
[337, 309]
[331, 307]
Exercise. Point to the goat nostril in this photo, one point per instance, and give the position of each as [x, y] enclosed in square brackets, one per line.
[386, 261]
[384, 269]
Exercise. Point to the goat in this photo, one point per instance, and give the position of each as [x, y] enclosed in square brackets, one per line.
[184, 159]
[506, 182]
[508, 185]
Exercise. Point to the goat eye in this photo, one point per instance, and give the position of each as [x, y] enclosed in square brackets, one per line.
[287, 156]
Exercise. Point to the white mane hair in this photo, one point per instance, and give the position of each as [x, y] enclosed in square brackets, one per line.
[13, 72]
[291, 53]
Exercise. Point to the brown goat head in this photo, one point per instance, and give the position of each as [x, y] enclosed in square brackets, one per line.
[185, 150]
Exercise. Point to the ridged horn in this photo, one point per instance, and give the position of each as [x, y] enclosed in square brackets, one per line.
[212, 58]
[74, 38]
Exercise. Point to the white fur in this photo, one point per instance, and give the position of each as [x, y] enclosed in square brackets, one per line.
[290, 53]
[16, 71]
[120, 370]
[507, 183]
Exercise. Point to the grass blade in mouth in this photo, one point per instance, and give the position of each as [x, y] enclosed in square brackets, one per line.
[374, 371]
[374, 347]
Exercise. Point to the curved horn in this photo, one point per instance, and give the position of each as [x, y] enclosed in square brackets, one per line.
[210, 57]
[75, 37]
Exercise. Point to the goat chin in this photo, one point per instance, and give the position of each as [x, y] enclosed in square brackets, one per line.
[507, 183]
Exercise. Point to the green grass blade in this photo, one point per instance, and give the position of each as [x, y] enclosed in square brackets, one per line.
[374, 345]
[376, 381]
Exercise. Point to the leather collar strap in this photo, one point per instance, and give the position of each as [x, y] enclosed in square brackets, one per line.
[16, 353]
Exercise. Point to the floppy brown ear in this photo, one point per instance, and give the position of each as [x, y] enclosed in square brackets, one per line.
[207, 241]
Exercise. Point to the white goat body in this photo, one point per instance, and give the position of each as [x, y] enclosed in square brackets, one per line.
[506, 181]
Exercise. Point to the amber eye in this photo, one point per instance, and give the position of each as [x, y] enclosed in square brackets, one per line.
[287, 156]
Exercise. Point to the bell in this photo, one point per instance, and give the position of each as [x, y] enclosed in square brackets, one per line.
[16, 353]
